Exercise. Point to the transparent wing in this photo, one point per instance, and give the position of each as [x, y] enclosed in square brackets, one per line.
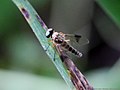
[77, 40]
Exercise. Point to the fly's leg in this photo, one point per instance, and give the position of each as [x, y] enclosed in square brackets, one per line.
[47, 47]
[54, 50]
[61, 52]
[58, 49]
[67, 40]
[61, 33]
[54, 55]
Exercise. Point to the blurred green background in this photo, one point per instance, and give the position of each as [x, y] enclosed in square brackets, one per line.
[25, 66]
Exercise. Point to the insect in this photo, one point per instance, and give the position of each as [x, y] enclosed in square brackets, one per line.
[64, 41]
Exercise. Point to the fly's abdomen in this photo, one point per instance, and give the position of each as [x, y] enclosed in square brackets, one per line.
[71, 49]
[77, 53]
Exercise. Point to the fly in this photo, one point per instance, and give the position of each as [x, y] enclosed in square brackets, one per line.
[65, 40]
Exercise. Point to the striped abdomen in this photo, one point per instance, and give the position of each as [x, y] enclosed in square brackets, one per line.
[71, 49]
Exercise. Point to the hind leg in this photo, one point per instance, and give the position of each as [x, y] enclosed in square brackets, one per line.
[57, 49]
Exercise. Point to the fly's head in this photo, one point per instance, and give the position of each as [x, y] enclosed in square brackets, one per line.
[49, 33]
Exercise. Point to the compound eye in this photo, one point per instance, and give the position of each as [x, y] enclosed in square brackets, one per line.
[47, 34]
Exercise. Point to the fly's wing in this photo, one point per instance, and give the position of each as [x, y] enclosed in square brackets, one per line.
[76, 40]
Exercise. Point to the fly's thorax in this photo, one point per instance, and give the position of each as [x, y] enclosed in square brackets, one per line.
[57, 38]
[58, 41]
[54, 35]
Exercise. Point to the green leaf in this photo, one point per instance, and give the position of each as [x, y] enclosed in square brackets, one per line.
[112, 8]
[39, 28]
